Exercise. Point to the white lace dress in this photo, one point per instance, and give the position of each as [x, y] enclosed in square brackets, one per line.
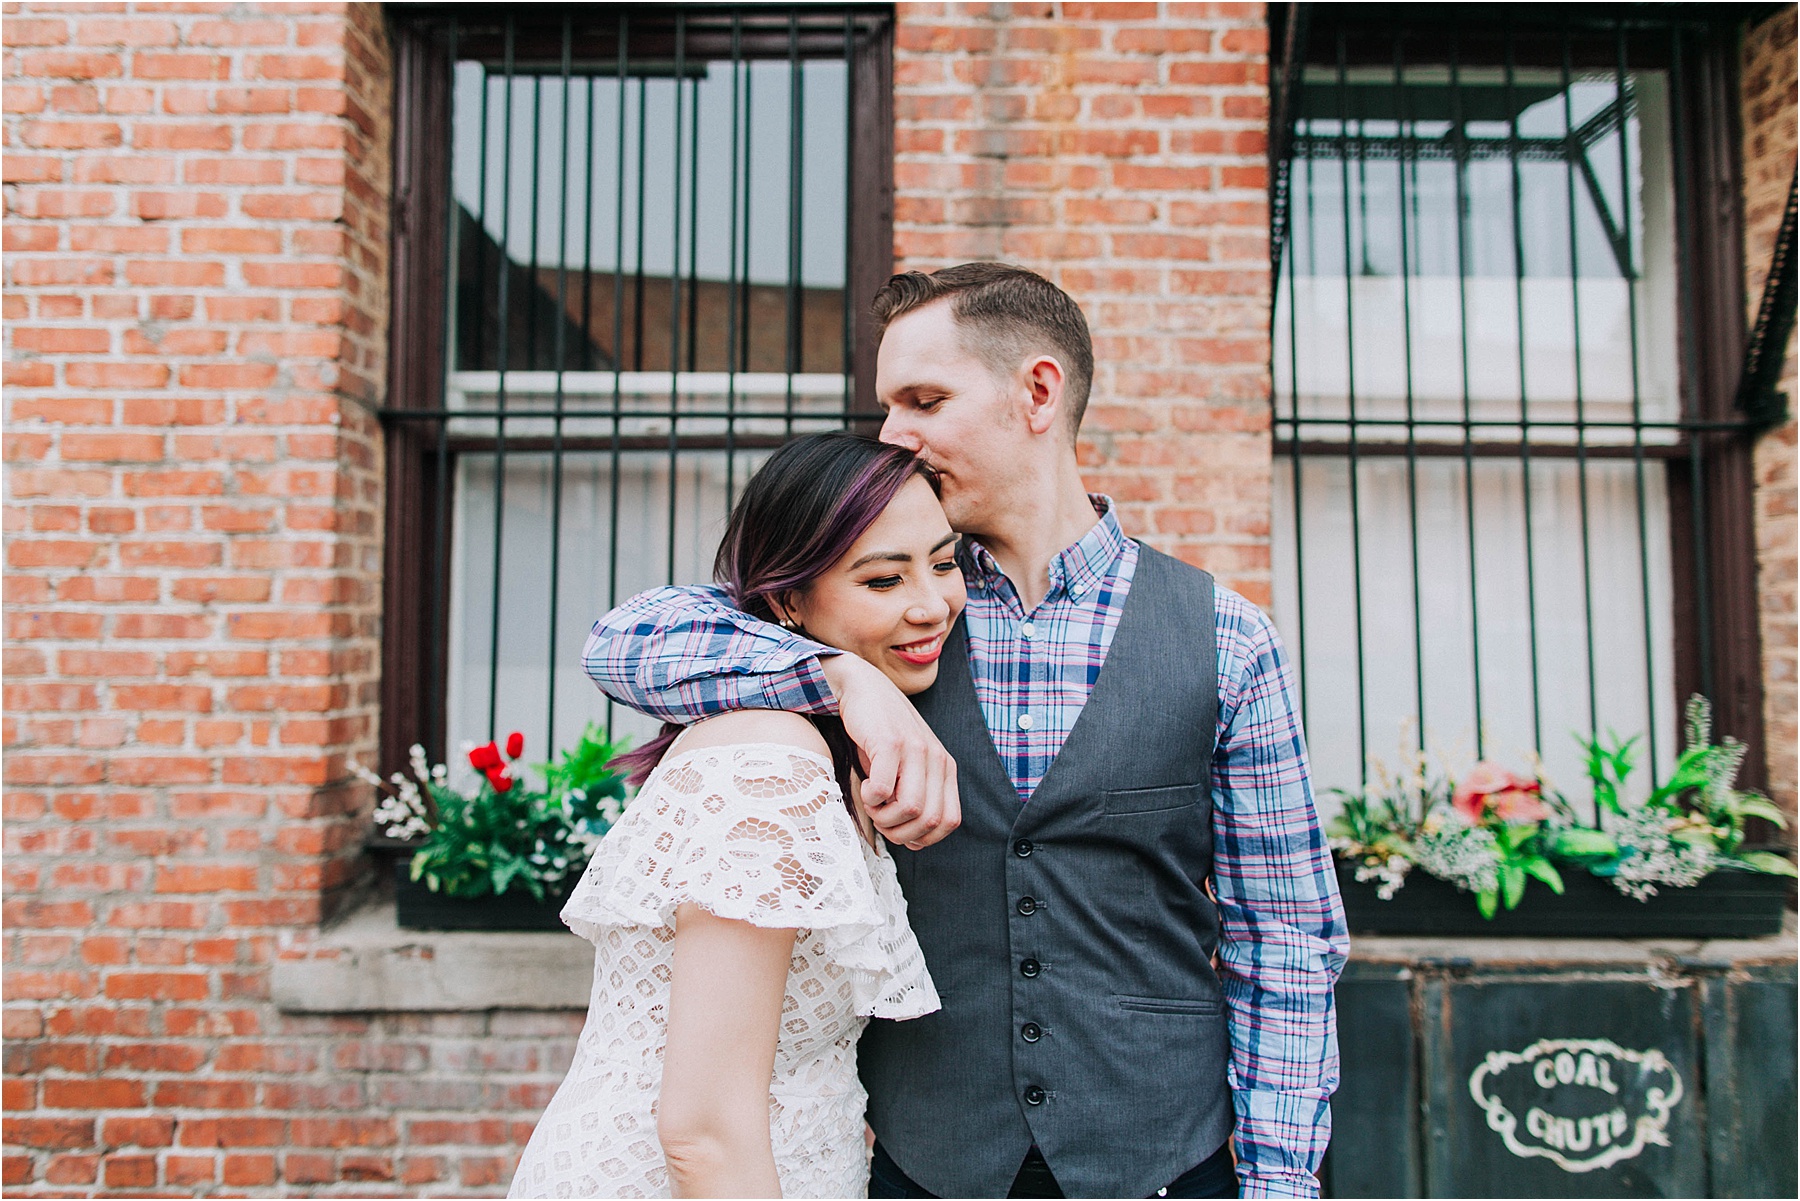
[757, 833]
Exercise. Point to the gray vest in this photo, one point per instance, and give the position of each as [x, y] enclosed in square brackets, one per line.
[1071, 937]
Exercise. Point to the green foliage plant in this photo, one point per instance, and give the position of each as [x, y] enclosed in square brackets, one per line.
[500, 835]
[1494, 831]
[1689, 826]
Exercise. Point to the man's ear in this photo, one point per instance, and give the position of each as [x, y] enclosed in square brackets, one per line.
[1043, 379]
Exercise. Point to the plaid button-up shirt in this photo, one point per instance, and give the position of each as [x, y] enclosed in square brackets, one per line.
[685, 653]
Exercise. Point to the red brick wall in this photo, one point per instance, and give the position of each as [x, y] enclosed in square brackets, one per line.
[196, 293]
[195, 310]
[1120, 150]
[195, 333]
[1769, 159]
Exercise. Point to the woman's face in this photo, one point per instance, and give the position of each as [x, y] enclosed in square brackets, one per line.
[892, 596]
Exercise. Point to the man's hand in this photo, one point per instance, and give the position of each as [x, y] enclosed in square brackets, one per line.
[909, 788]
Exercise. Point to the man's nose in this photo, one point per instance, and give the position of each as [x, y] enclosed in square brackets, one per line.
[895, 431]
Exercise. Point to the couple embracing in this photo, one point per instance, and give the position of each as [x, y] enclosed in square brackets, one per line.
[1035, 800]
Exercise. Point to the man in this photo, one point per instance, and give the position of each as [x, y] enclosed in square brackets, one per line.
[1101, 836]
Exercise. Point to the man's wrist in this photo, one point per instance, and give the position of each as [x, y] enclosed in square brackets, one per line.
[841, 670]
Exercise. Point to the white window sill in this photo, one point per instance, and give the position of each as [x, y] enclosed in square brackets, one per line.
[368, 964]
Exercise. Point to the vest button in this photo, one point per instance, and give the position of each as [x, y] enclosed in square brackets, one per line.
[1027, 906]
[1030, 968]
[1031, 1032]
[1023, 848]
[1034, 1095]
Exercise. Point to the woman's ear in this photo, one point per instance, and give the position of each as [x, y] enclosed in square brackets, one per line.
[785, 614]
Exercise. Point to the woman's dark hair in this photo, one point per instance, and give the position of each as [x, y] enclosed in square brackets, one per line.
[798, 515]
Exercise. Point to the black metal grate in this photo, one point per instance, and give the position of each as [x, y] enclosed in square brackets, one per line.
[650, 225]
[1493, 439]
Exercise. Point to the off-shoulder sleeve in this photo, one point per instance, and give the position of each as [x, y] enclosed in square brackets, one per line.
[757, 833]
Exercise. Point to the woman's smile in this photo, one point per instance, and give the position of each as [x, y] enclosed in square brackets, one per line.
[924, 651]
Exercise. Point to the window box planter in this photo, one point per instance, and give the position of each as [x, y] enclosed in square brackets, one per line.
[1725, 904]
[499, 838]
[418, 908]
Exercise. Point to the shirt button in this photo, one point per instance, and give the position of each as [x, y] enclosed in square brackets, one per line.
[1027, 906]
[1030, 968]
[1031, 1032]
[1023, 848]
[1075, 590]
[1025, 722]
[1034, 1095]
[1028, 630]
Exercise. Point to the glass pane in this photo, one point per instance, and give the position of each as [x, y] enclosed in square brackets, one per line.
[1482, 257]
[1391, 301]
[647, 215]
[1436, 636]
[665, 529]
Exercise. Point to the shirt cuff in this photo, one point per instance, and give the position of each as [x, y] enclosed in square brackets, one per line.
[801, 688]
[1257, 1184]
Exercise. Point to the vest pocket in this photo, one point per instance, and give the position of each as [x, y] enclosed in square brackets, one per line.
[1124, 801]
[1176, 1005]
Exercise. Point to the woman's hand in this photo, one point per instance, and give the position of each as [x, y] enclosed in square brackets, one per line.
[724, 1019]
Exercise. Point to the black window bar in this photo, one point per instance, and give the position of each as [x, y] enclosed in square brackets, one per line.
[629, 243]
[1512, 476]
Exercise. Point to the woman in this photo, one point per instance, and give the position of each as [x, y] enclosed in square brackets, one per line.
[746, 920]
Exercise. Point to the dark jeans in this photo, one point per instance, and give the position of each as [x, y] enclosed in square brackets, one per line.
[1215, 1177]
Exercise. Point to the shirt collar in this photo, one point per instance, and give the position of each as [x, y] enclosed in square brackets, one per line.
[1078, 570]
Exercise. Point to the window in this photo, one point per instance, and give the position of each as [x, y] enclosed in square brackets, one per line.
[1510, 491]
[626, 238]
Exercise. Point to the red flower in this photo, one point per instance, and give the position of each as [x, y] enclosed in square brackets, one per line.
[1490, 787]
[484, 757]
[515, 745]
[498, 778]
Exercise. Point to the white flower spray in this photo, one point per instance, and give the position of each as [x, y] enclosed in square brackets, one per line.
[401, 811]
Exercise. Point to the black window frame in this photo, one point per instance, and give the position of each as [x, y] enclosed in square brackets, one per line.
[1717, 648]
[419, 453]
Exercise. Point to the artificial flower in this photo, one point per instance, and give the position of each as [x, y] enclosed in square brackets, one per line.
[1470, 797]
[1518, 805]
[1488, 786]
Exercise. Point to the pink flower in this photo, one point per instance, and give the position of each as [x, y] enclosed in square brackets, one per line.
[1491, 788]
[1470, 797]
[1519, 805]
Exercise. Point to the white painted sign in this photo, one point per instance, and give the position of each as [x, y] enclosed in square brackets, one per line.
[1583, 1104]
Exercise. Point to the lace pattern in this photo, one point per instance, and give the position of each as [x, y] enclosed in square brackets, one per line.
[757, 833]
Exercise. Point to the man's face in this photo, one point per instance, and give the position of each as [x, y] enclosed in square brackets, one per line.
[947, 407]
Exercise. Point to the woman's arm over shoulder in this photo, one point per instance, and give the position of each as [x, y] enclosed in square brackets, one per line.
[768, 726]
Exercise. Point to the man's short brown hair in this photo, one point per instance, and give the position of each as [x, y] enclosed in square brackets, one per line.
[1004, 314]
